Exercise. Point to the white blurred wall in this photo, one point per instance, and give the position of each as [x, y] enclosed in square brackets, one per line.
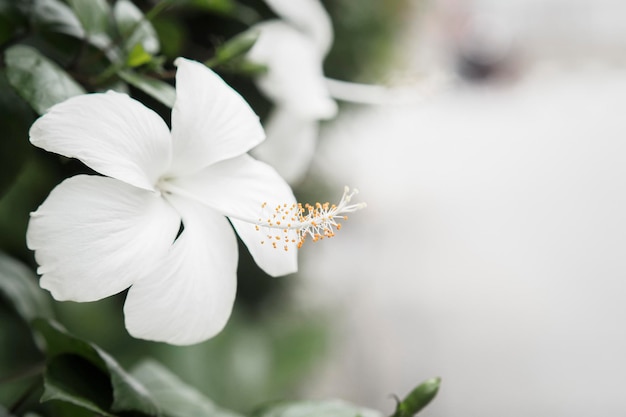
[493, 249]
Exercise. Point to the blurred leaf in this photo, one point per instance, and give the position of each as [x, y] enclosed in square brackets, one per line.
[59, 342]
[244, 67]
[19, 286]
[72, 379]
[298, 346]
[35, 180]
[134, 28]
[16, 117]
[158, 89]
[12, 20]
[220, 6]
[333, 408]
[138, 56]
[4, 412]
[255, 358]
[56, 16]
[233, 48]
[172, 34]
[173, 396]
[366, 43]
[417, 399]
[128, 393]
[230, 8]
[94, 16]
[41, 82]
[21, 361]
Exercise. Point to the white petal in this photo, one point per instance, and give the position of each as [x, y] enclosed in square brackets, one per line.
[94, 236]
[189, 296]
[295, 78]
[290, 144]
[275, 257]
[238, 188]
[308, 16]
[111, 133]
[210, 121]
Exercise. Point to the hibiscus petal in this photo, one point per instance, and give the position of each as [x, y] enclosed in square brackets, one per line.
[238, 188]
[189, 295]
[274, 252]
[210, 121]
[290, 144]
[295, 78]
[94, 236]
[111, 133]
[310, 17]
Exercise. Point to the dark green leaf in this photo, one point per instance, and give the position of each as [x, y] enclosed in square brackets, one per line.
[128, 393]
[41, 82]
[158, 89]
[172, 34]
[244, 67]
[16, 116]
[59, 342]
[333, 408]
[56, 16]
[219, 6]
[231, 56]
[173, 396]
[19, 285]
[4, 412]
[94, 16]
[236, 46]
[35, 180]
[417, 399]
[73, 379]
[12, 20]
[134, 28]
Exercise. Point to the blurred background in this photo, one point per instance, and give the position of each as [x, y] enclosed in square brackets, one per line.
[491, 250]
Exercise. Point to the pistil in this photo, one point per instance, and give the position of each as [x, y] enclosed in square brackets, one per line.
[290, 224]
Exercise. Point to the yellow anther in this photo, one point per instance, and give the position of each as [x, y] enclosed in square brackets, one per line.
[318, 220]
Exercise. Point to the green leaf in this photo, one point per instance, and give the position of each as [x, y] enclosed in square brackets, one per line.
[417, 399]
[94, 16]
[134, 28]
[16, 116]
[72, 379]
[4, 412]
[172, 34]
[219, 6]
[39, 81]
[173, 396]
[333, 408]
[128, 394]
[138, 56]
[234, 48]
[158, 89]
[56, 16]
[38, 175]
[19, 285]
[12, 20]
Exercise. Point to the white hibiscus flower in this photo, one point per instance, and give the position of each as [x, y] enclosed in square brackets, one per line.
[95, 236]
[293, 50]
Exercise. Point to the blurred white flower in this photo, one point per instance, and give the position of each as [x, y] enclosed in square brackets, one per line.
[293, 50]
[95, 236]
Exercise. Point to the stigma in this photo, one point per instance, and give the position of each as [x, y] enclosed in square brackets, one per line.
[287, 225]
